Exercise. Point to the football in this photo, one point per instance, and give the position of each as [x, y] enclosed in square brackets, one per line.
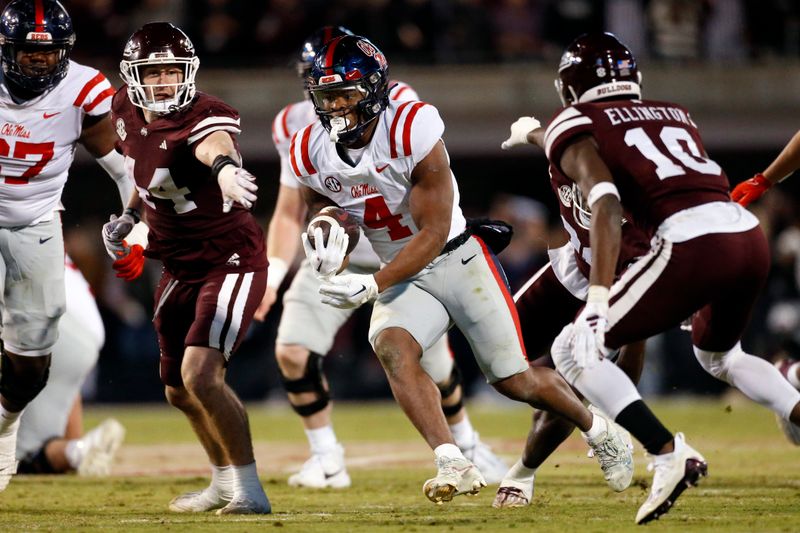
[330, 216]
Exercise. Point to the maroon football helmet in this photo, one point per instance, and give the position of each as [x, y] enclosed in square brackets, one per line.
[596, 66]
[159, 43]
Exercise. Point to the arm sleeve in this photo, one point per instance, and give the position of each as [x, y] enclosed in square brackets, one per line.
[568, 123]
[422, 130]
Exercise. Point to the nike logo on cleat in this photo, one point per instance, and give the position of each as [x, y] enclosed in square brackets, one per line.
[42, 241]
[328, 476]
[465, 261]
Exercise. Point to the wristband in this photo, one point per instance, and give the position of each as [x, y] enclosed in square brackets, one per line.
[601, 189]
[276, 272]
[133, 213]
[220, 162]
[597, 294]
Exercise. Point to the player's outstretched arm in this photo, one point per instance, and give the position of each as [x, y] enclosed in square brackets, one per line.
[431, 204]
[237, 184]
[98, 137]
[525, 130]
[784, 165]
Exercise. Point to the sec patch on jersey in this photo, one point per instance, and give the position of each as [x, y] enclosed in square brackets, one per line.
[331, 216]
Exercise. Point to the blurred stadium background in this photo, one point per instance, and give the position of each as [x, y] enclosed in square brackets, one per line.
[735, 64]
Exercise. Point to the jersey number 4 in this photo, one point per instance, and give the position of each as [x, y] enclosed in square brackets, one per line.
[21, 151]
[680, 145]
[162, 186]
[377, 216]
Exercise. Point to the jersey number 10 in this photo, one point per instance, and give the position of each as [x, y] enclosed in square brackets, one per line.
[680, 145]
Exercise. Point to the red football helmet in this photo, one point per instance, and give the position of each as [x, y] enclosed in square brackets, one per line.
[159, 43]
[596, 66]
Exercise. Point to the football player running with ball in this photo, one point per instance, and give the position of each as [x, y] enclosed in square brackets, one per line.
[708, 258]
[384, 162]
[308, 327]
[48, 104]
[180, 148]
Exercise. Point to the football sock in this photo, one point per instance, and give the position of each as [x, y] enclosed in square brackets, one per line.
[643, 424]
[599, 427]
[464, 434]
[521, 473]
[7, 418]
[449, 451]
[245, 479]
[222, 480]
[321, 439]
[74, 453]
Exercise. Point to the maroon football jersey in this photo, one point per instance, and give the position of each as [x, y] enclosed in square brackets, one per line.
[189, 232]
[653, 150]
[635, 241]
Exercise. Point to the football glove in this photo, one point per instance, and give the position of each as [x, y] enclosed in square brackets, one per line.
[128, 258]
[349, 291]
[750, 190]
[326, 258]
[519, 132]
[590, 328]
[237, 185]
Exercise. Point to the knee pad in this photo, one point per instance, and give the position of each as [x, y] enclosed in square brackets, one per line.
[718, 363]
[561, 352]
[20, 386]
[447, 390]
[310, 382]
[37, 463]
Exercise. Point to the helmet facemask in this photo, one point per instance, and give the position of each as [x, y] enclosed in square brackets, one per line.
[346, 109]
[34, 80]
[144, 95]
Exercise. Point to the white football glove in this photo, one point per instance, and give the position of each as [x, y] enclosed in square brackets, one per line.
[114, 233]
[590, 328]
[349, 291]
[519, 132]
[237, 185]
[326, 261]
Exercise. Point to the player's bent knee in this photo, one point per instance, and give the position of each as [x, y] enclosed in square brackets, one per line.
[23, 378]
[718, 363]
[292, 360]
[313, 381]
[561, 352]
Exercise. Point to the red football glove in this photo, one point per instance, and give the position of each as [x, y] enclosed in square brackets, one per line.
[130, 265]
[750, 190]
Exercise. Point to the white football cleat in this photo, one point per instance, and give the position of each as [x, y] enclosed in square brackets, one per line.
[456, 476]
[100, 446]
[322, 471]
[8, 452]
[674, 472]
[614, 455]
[198, 501]
[250, 503]
[516, 488]
[791, 430]
[491, 466]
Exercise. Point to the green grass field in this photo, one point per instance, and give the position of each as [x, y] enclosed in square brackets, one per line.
[753, 484]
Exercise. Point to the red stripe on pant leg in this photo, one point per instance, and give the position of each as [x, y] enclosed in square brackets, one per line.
[512, 308]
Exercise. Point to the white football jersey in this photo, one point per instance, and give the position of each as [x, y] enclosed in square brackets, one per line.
[376, 190]
[37, 142]
[293, 117]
